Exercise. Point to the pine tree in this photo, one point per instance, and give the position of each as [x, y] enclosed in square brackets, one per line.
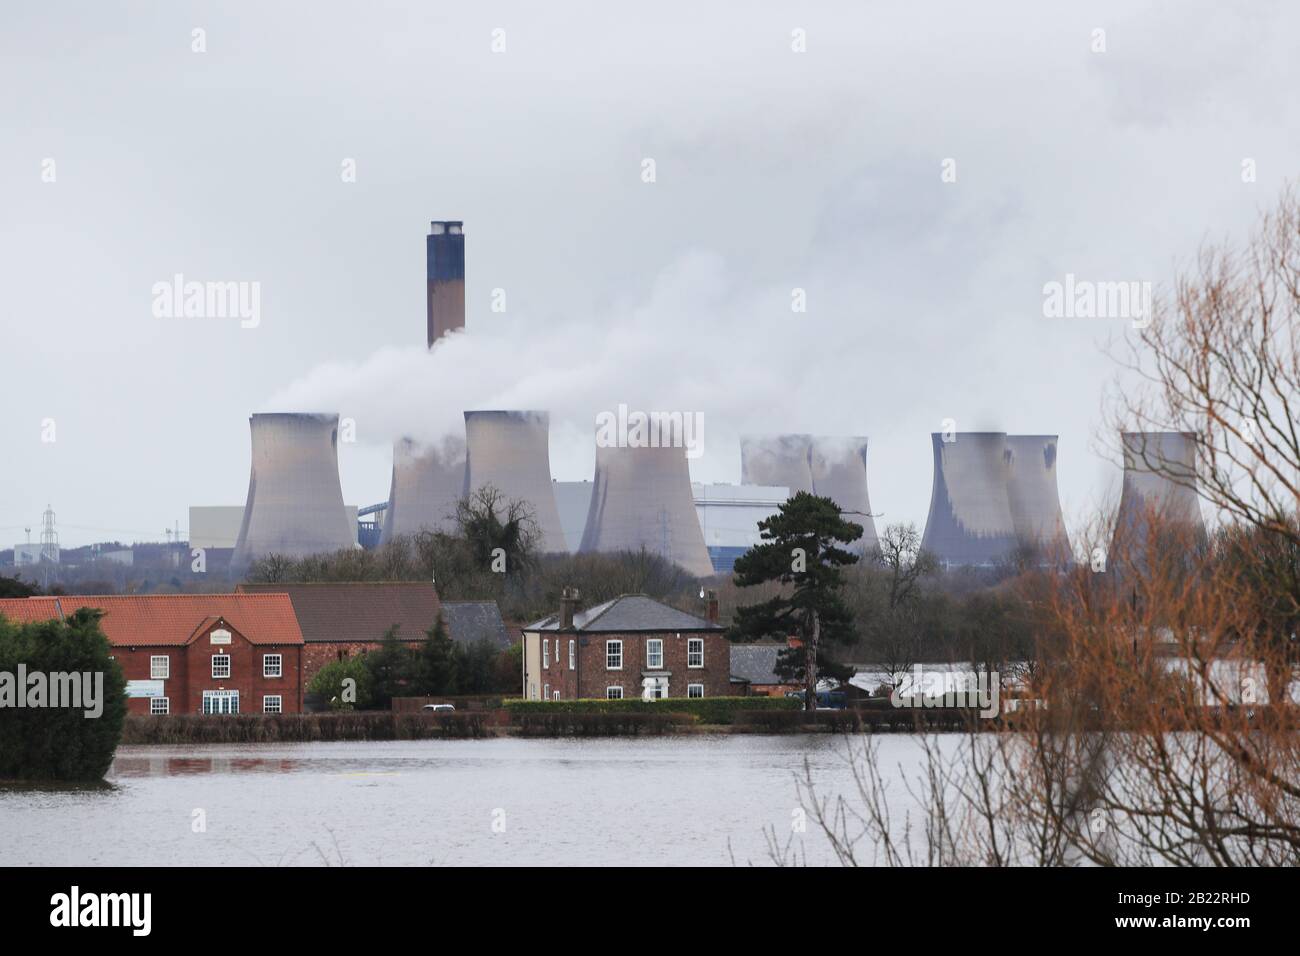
[438, 664]
[801, 551]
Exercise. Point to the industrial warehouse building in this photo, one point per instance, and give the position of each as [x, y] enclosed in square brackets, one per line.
[729, 517]
[193, 653]
[344, 619]
[632, 646]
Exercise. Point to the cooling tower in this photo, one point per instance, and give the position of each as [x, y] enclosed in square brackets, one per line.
[777, 460]
[1159, 482]
[641, 498]
[428, 482]
[1033, 497]
[295, 503]
[511, 452]
[839, 472]
[573, 499]
[445, 271]
[970, 519]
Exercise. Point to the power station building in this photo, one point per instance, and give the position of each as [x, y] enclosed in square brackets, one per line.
[445, 273]
[295, 502]
[729, 517]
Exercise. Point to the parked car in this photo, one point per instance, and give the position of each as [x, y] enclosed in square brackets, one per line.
[826, 699]
[439, 708]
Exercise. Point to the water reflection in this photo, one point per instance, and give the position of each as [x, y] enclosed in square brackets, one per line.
[163, 766]
[499, 802]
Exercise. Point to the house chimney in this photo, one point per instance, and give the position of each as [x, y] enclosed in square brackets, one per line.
[711, 606]
[568, 605]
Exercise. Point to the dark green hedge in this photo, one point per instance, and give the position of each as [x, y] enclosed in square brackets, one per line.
[707, 710]
[591, 724]
[302, 728]
[49, 743]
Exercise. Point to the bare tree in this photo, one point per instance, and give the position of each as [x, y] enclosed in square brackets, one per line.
[887, 599]
[1221, 362]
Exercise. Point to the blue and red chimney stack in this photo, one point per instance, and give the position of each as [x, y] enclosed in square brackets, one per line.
[445, 248]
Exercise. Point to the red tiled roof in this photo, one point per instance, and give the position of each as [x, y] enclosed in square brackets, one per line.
[152, 620]
[358, 611]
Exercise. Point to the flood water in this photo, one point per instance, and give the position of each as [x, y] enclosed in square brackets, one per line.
[703, 800]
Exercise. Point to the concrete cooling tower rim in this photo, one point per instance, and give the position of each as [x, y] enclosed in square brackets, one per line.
[782, 460]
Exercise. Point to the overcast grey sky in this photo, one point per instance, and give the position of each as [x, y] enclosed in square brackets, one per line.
[775, 169]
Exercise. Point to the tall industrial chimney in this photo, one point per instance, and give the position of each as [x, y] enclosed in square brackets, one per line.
[779, 460]
[1034, 499]
[445, 253]
[295, 502]
[839, 472]
[510, 450]
[428, 482]
[642, 498]
[1160, 485]
[970, 519]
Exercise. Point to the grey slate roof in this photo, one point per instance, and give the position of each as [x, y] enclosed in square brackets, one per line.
[755, 663]
[628, 612]
[471, 621]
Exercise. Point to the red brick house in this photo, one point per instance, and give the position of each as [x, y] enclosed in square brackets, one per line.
[341, 619]
[193, 653]
[632, 646]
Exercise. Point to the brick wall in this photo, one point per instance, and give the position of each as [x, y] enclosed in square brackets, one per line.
[590, 677]
[136, 666]
[191, 673]
[317, 654]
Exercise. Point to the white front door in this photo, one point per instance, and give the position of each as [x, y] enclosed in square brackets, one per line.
[221, 701]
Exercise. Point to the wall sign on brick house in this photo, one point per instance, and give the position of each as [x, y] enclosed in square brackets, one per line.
[219, 636]
[144, 688]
